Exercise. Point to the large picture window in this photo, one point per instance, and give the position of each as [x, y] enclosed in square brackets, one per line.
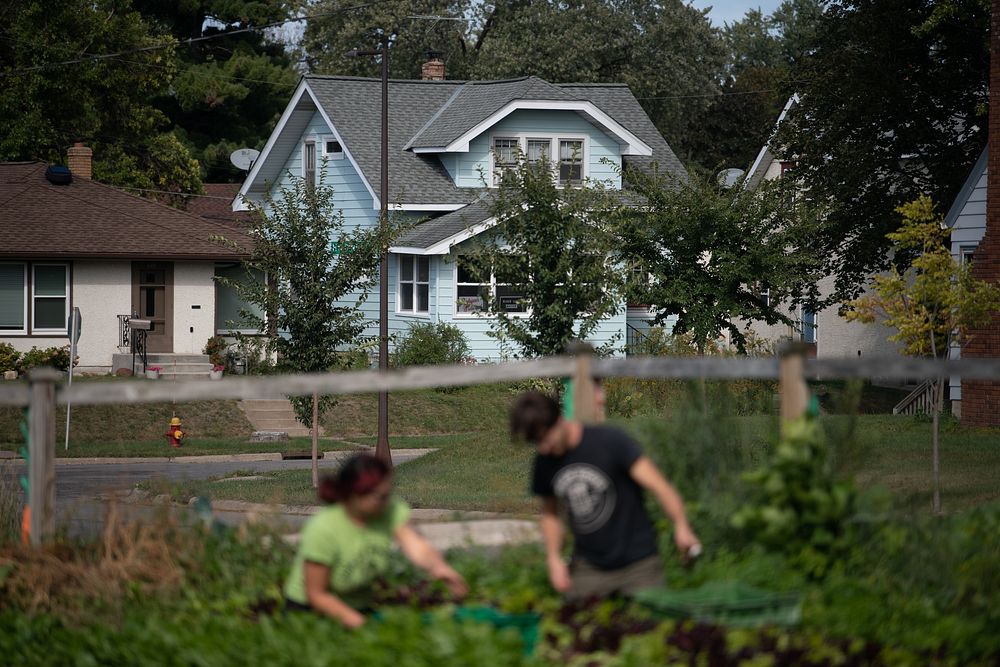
[13, 297]
[473, 293]
[50, 297]
[414, 284]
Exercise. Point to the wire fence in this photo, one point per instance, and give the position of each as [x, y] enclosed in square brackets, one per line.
[45, 390]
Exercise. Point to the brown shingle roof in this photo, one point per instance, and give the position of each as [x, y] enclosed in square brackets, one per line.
[217, 204]
[86, 219]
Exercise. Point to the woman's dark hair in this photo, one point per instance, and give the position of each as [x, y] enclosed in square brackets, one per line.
[359, 475]
[533, 414]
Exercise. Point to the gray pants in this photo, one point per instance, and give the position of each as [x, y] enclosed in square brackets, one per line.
[589, 581]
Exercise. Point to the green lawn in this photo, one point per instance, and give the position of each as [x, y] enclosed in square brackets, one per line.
[483, 471]
[106, 425]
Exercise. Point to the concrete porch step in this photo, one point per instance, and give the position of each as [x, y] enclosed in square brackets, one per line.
[274, 415]
[265, 404]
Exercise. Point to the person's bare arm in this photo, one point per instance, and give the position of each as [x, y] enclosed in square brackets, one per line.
[420, 552]
[322, 600]
[552, 538]
[648, 476]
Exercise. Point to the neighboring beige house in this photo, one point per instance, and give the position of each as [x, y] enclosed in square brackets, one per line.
[113, 255]
[831, 335]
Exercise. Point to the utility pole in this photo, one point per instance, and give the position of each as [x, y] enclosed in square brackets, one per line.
[382, 449]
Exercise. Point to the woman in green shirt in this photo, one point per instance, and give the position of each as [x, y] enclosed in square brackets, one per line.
[346, 546]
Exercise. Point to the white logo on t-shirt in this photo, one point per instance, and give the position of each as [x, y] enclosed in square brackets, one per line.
[588, 493]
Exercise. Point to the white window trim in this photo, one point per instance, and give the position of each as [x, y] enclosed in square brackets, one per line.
[66, 299]
[331, 156]
[493, 290]
[964, 251]
[421, 314]
[305, 142]
[25, 298]
[553, 139]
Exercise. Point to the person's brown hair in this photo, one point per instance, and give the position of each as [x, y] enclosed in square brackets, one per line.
[359, 475]
[533, 414]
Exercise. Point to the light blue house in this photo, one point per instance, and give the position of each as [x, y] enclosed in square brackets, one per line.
[445, 137]
[967, 220]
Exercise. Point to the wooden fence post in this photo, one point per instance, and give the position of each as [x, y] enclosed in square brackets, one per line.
[42, 436]
[792, 384]
[584, 399]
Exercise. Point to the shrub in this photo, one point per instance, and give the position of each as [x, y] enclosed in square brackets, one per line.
[8, 357]
[57, 357]
[797, 506]
[215, 348]
[431, 343]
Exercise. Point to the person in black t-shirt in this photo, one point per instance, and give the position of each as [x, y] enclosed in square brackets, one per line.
[599, 475]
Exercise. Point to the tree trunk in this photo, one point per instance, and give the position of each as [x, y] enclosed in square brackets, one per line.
[938, 404]
[315, 441]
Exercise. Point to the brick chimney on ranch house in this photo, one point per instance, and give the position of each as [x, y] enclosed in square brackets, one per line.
[79, 159]
[433, 69]
[981, 398]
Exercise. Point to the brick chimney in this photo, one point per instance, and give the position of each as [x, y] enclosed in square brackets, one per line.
[433, 69]
[981, 398]
[79, 159]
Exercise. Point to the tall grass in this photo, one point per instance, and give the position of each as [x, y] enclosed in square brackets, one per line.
[10, 504]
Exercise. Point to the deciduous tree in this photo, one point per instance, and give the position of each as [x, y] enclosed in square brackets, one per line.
[931, 305]
[709, 253]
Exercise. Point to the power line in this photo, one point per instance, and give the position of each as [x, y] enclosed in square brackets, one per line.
[188, 42]
[175, 194]
[719, 94]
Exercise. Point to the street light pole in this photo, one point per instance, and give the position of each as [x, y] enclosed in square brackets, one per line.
[382, 450]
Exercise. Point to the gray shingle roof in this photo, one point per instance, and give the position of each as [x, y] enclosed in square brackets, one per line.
[353, 106]
[477, 100]
[444, 227]
[617, 100]
[434, 113]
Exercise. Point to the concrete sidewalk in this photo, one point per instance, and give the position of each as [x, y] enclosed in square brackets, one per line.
[206, 458]
[444, 528]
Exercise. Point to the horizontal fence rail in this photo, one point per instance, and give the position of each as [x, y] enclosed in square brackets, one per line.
[354, 382]
[44, 390]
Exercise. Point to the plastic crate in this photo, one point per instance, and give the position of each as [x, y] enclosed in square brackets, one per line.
[526, 624]
[729, 603]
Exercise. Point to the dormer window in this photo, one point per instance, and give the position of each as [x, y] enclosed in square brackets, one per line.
[505, 152]
[570, 161]
[539, 150]
[565, 156]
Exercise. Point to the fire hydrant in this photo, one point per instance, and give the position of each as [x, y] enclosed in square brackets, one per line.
[175, 434]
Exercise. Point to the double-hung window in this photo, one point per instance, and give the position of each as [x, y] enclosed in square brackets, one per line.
[570, 161]
[50, 297]
[13, 297]
[538, 150]
[505, 150]
[414, 284]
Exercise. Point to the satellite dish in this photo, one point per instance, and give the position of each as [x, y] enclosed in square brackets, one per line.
[727, 178]
[243, 158]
